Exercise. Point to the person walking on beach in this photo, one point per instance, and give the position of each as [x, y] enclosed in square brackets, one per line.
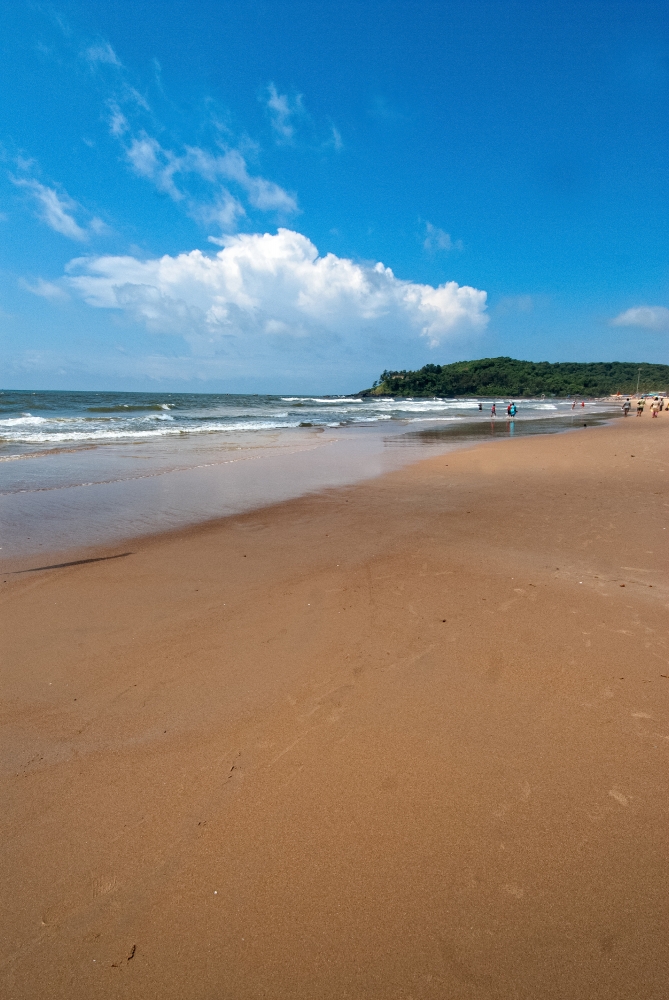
[655, 407]
[640, 403]
[493, 410]
[626, 406]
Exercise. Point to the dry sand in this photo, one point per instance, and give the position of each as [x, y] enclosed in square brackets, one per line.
[407, 739]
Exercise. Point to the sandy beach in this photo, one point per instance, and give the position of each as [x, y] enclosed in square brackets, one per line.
[403, 739]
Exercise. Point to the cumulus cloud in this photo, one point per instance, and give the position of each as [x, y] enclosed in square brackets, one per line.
[647, 317]
[55, 209]
[262, 289]
[437, 239]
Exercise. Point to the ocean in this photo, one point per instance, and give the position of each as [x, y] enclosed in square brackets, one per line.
[50, 420]
[84, 468]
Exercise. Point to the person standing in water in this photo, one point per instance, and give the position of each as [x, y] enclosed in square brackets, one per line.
[513, 410]
[493, 410]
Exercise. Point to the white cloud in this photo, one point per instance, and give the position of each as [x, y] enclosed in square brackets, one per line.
[58, 210]
[223, 213]
[262, 287]
[102, 53]
[336, 140]
[281, 111]
[99, 227]
[263, 194]
[648, 317]
[46, 290]
[161, 166]
[25, 163]
[437, 239]
[150, 160]
[55, 209]
[118, 123]
[133, 94]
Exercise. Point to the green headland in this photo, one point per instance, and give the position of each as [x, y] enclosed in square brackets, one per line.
[508, 377]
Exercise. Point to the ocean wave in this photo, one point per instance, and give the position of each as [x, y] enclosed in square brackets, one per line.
[25, 420]
[427, 405]
[53, 420]
[129, 407]
[334, 401]
[124, 434]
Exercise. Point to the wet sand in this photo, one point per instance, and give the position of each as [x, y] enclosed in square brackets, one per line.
[101, 495]
[404, 739]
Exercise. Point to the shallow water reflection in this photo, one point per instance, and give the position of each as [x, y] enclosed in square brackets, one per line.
[60, 501]
[498, 427]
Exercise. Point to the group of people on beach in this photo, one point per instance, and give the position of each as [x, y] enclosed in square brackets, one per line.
[656, 406]
[511, 409]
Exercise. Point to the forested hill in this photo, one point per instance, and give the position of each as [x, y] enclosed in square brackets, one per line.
[508, 377]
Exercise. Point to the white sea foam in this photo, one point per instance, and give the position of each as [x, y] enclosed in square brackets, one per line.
[25, 420]
[100, 434]
[332, 400]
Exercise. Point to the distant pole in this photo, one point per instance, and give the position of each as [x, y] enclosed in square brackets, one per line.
[637, 382]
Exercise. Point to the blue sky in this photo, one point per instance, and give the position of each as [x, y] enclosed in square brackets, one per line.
[262, 197]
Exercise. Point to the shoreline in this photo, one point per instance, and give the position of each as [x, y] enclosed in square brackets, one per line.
[109, 499]
[406, 737]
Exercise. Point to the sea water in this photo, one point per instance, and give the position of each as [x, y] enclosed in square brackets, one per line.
[85, 468]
